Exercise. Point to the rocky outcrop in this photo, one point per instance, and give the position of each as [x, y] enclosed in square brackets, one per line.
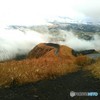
[44, 61]
[51, 50]
[41, 49]
[83, 52]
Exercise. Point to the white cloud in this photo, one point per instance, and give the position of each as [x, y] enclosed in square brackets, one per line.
[35, 11]
[90, 8]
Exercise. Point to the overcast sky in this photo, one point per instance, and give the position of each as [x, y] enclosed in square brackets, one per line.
[28, 12]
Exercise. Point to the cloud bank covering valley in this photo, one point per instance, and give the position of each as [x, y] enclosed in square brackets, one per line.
[14, 42]
[38, 12]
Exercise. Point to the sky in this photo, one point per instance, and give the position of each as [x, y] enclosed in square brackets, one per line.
[29, 12]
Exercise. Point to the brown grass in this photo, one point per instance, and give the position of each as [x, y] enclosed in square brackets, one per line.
[48, 65]
[26, 71]
[84, 60]
[94, 69]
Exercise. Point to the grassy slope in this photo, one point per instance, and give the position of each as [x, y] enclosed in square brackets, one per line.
[57, 88]
[32, 70]
[94, 69]
[51, 78]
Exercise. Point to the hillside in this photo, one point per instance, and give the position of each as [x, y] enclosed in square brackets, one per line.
[46, 75]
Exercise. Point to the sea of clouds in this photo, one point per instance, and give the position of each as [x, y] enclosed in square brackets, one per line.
[14, 42]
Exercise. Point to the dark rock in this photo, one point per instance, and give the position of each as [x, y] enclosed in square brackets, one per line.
[53, 45]
[57, 46]
[20, 57]
[83, 52]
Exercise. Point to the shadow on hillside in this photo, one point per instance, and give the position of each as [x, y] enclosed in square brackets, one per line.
[54, 89]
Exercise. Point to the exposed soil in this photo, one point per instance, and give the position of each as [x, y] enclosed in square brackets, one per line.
[54, 89]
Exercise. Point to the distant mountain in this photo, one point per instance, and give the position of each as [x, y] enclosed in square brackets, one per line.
[64, 23]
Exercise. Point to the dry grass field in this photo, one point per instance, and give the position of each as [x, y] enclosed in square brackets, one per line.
[55, 76]
[48, 65]
[94, 69]
[35, 69]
